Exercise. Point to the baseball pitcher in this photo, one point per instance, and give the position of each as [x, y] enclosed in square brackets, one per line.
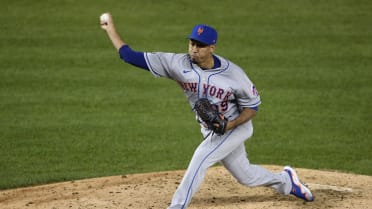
[225, 101]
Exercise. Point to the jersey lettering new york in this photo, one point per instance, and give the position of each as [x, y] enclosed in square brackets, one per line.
[228, 87]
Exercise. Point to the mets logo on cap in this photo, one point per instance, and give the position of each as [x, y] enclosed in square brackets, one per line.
[200, 30]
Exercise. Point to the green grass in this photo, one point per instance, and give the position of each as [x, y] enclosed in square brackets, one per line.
[70, 109]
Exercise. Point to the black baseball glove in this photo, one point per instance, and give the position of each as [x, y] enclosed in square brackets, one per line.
[207, 112]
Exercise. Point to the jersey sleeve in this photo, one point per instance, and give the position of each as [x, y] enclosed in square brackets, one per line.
[160, 63]
[132, 57]
[247, 95]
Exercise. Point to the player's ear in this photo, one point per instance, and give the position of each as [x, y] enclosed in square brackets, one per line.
[212, 48]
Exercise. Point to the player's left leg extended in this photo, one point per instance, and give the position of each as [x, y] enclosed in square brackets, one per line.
[285, 182]
[254, 175]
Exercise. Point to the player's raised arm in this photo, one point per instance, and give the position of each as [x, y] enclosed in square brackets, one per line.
[126, 53]
[107, 24]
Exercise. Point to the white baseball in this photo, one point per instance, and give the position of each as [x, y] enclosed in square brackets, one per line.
[104, 18]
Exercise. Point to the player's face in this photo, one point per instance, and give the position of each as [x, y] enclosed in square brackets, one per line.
[199, 52]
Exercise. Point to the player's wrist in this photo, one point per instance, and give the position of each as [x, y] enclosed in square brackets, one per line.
[230, 125]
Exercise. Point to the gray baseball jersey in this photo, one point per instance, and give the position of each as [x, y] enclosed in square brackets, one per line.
[230, 89]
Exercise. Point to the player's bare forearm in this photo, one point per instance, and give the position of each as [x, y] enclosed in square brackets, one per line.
[246, 115]
[107, 24]
[115, 38]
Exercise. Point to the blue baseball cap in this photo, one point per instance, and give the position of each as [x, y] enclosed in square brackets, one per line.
[204, 34]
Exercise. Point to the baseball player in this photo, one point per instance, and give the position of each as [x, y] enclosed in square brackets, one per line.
[203, 74]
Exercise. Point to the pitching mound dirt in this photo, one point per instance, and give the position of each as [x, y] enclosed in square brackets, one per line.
[219, 190]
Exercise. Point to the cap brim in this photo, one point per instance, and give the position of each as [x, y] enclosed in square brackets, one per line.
[198, 40]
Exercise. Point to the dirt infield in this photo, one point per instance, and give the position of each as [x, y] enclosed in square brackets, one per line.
[219, 190]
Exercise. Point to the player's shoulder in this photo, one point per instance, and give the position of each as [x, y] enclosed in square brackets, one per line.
[182, 58]
[168, 58]
[229, 65]
[171, 55]
[167, 54]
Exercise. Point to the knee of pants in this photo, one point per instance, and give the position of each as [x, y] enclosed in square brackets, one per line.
[250, 177]
[247, 180]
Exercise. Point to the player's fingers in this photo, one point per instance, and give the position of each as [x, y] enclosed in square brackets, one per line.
[103, 25]
[105, 20]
